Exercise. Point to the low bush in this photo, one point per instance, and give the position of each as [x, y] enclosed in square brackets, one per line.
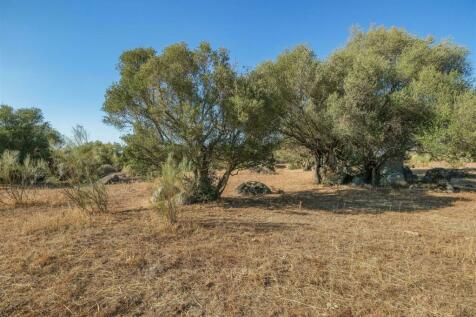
[92, 198]
[19, 179]
[172, 188]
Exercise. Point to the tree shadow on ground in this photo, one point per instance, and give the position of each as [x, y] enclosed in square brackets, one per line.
[346, 201]
[467, 172]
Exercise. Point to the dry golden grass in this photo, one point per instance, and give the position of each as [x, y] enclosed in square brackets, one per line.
[312, 251]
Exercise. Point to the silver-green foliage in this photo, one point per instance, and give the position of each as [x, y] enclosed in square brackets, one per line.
[173, 187]
[384, 93]
[18, 179]
[92, 197]
[194, 103]
[83, 187]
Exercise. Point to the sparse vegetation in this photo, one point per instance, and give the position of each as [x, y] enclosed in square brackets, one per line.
[172, 188]
[80, 172]
[91, 198]
[194, 104]
[242, 236]
[17, 179]
[383, 94]
[25, 131]
[314, 250]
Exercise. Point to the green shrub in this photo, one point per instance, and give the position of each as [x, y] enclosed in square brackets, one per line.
[172, 188]
[91, 198]
[18, 179]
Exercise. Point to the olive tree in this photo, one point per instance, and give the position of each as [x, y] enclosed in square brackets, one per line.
[302, 86]
[370, 101]
[24, 130]
[192, 102]
[389, 94]
[451, 135]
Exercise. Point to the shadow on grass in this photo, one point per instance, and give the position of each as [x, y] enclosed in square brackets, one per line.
[466, 172]
[346, 201]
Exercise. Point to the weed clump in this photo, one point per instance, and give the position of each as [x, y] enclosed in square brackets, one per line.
[172, 188]
[18, 179]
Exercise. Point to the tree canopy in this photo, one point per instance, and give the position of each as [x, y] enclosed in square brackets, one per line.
[194, 104]
[384, 93]
[25, 130]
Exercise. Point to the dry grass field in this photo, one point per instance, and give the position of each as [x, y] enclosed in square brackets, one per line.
[312, 251]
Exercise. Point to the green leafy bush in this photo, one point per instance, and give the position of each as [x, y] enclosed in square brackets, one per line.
[18, 179]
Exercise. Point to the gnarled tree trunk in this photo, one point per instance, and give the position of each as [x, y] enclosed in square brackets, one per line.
[317, 169]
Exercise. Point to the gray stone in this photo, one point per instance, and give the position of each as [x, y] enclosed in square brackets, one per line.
[463, 183]
[391, 166]
[435, 175]
[395, 179]
[252, 188]
[395, 174]
[115, 178]
[106, 169]
[450, 188]
[263, 170]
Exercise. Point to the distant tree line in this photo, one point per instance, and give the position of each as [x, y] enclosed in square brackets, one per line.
[384, 93]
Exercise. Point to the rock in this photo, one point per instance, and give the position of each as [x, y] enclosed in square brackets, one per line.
[435, 175]
[395, 179]
[463, 184]
[450, 188]
[442, 185]
[263, 170]
[391, 166]
[106, 169]
[115, 178]
[252, 188]
[394, 174]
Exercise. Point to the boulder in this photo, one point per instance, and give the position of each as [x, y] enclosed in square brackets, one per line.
[395, 179]
[395, 174]
[463, 183]
[262, 170]
[115, 178]
[106, 169]
[438, 174]
[391, 166]
[444, 185]
[450, 188]
[252, 188]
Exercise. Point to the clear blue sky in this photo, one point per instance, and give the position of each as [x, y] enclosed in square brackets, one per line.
[61, 56]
